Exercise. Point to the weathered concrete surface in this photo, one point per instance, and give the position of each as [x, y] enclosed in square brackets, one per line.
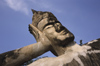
[19, 56]
[75, 55]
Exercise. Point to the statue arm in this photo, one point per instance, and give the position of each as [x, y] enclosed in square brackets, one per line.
[19, 56]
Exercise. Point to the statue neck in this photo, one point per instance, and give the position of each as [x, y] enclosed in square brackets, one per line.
[73, 47]
[59, 50]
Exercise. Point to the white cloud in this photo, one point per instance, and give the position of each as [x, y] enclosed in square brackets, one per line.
[45, 5]
[18, 5]
[25, 6]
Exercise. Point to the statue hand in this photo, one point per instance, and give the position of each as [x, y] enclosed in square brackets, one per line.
[39, 36]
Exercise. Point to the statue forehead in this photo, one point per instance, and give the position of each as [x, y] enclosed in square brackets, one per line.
[37, 17]
[43, 23]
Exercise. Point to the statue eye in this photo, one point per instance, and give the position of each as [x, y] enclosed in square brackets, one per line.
[49, 26]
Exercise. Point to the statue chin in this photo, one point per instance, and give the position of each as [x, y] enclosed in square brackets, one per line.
[65, 39]
[61, 38]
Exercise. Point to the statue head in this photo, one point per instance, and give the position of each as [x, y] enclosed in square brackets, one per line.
[48, 24]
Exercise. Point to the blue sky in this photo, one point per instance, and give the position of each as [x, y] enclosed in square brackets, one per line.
[81, 17]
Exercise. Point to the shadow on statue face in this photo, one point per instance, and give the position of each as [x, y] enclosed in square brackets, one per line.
[47, 23]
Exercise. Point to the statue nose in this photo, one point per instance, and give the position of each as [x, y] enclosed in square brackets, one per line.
[58, 27]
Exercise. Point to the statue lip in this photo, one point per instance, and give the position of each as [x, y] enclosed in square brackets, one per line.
[64, 32]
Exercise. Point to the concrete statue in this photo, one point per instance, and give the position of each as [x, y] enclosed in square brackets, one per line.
[55, 32]
[52, 36]
[62, 42]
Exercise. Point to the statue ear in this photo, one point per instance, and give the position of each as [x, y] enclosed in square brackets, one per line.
[35, 32]
[34, 11]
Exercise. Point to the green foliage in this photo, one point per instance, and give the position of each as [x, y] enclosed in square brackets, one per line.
[26, 63]
[81, 43]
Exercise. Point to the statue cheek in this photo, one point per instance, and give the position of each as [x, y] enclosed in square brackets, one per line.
[50, 31]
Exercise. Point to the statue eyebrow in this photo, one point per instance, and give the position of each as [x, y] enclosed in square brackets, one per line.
[48, 24]
[51, 23]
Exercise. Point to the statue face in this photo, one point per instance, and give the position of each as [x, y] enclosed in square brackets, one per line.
[52, 28]
[56, 32]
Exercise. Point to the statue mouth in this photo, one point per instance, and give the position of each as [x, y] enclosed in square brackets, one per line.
[64, 32]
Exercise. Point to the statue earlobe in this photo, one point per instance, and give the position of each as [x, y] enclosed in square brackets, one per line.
[34, 11]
